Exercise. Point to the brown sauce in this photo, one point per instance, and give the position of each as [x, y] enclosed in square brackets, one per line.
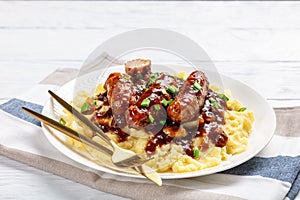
[103, 122]
[208, 122]
[210, 127]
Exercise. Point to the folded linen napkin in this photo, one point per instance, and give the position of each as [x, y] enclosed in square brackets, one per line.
[273, 174]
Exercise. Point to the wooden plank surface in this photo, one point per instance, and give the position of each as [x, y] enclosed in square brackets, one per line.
[255, 42]
[227, 31]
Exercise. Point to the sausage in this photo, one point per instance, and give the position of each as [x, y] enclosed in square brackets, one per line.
[189, 100]
[138, 115]
[138, 68]
[119, 90]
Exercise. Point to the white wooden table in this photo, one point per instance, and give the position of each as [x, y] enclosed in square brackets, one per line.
[255, 42]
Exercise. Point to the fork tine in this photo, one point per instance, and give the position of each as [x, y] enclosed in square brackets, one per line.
[129, 162]
[132, 161]
[141, 169]
[122, 162]
[82, 118]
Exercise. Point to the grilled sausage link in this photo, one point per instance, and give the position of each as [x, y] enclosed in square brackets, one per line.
[190, 98]
[119, 89]
[138, 68]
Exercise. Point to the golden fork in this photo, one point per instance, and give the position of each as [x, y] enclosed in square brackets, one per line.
[119, 154]
[140, 168]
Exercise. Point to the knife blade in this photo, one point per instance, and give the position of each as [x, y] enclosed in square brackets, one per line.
[143, 170]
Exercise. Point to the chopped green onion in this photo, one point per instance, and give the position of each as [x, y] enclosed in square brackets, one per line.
[211, 100]
[162, 122]
[151, 118]
[164, 91]
[224, 97]
[143, 87]
[125, 79]
[152, 78]
[95, 103]
[157, 107]
[196, 153]
[197, 86]
[166, 102]
[85, 107]
[214, 103]
[62, 121]
[242, 109]
[172, 89]
[145, 102]
[140, 76]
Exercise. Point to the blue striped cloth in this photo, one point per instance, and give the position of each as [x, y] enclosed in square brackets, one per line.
[283, 168]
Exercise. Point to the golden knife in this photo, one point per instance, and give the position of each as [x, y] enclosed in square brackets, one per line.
[144, 170]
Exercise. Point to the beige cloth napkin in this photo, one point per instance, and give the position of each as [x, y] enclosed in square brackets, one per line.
[134, 190]
[131, 190]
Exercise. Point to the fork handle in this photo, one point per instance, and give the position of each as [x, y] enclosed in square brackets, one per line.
[142, 170]
[68, 131]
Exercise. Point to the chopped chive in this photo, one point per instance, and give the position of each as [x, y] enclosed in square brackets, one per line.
[197, 86]
[170, 101]
[140, 76]
[166, 102]
[164, 91]
[162, 122]
[172, 89]
[85, 107]
[151, 118]
[157, 107]
[242, 109]
[214, 103]
[196, 153]
[224, 97]
[152, 78]
[95, 103]
[125, 79]
[62, 121]
[211, 100]
[145, 102]
[143, 87]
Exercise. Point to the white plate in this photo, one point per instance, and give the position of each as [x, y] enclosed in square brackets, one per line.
[263, 129]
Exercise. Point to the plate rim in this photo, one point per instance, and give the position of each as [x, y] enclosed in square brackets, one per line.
[171, 175]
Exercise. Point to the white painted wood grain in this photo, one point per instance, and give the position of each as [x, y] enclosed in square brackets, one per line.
[274, 80]
[220, 44]
[227, 31]
[82, 15]
[255, 42]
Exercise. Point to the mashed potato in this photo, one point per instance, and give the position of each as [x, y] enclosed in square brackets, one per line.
[171, 157]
